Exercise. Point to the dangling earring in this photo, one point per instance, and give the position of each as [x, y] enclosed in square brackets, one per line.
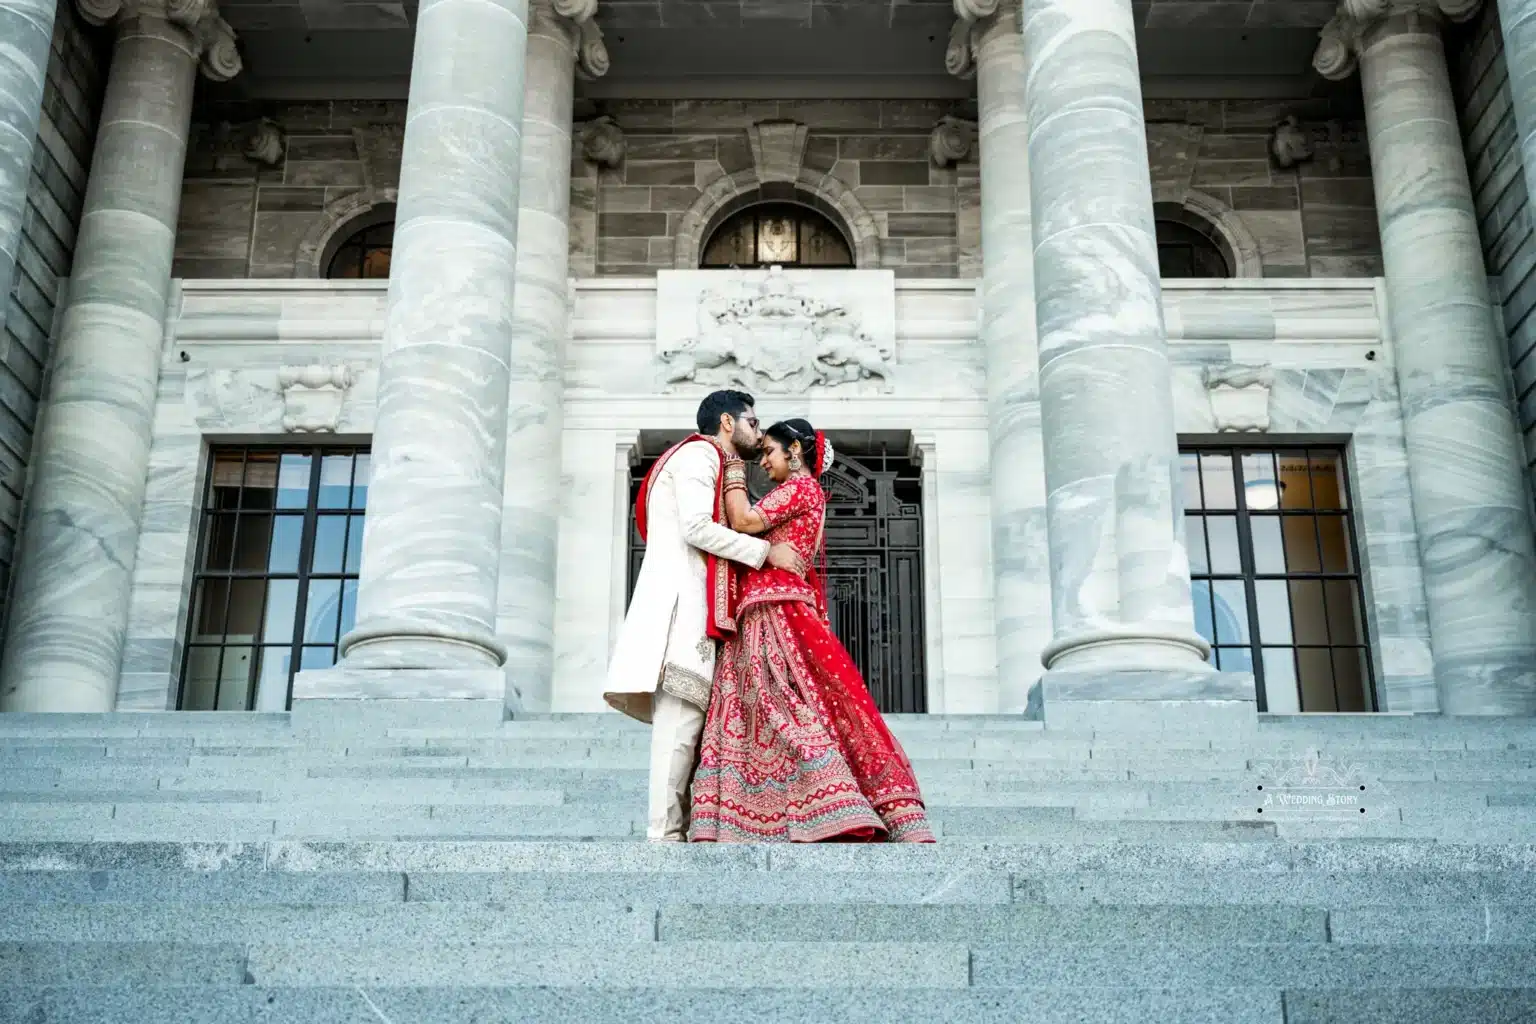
[794, 463]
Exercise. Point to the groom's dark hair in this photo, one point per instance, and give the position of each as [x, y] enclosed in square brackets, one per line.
[722, 403]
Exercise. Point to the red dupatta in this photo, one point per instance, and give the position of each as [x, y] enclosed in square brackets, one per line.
[721, 574]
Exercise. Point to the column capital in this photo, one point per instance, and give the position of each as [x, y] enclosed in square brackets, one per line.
[973, 19]
[211, 38]
[1340, 42]
[577, 21]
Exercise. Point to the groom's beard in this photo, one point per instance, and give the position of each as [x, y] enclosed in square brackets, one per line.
[747, 449]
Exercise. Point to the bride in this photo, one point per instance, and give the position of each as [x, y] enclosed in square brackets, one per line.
[794, 749]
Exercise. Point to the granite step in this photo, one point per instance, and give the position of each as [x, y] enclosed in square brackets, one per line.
[863, 1004]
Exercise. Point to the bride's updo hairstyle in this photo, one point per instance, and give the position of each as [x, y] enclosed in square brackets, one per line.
[815, 449]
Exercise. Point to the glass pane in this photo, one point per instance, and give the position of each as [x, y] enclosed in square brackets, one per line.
[208, 609]
[354, 544]
[1295, 480]
[252, 538]
[1194, 538]
[360, 475]
[1308, 619]
[1234, 659]
[321, 610]
[1231, 610]
[1273, 599]
[245, 599]
[348, 606]
[1300, 544]
[287, 534]
[1328, 480]
[224, 478]
[1261, 489]
[260, 480]
[1344, 626]
[376, 264]
[1189, 472]
[776, 241]
[335, 481]
[1200, 594]
[1280, 679]
[1315, 667]
[1225, 555]
[282, 606]
[317, 657]
[275, 667]
[200, 690]
[345, 263]
[330, 543]
[293, 481]
[1268, 545]
[218, 541]
[1333, 532]
[1350, 680]
[235, 680]
[1216, 472]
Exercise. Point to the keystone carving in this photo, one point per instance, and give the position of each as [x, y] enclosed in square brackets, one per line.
[778, 149]
[1239, 397]
[312, 396]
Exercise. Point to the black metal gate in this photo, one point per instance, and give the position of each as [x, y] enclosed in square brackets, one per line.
[874, 567]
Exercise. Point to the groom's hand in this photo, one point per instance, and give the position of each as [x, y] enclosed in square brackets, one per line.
[783, 556]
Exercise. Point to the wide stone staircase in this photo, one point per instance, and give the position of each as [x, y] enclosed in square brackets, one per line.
[419, 865]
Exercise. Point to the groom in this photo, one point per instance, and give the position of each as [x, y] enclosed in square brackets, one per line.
[664, 662]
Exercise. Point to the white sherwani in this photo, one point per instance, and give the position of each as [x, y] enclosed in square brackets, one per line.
[664, 662]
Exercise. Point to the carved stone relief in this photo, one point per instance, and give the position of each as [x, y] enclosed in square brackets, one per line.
[312, 396]
[776, 333]
[1239, 397]
[778, 149]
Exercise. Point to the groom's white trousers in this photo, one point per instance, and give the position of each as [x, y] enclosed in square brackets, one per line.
[676, 726]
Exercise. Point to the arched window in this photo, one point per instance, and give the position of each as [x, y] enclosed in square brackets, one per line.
[364, 253]
[1184, 250]
[777, 234]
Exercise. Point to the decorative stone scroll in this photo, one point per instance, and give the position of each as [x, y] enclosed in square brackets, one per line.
[1339, 46]
[960, 53]
[1239, 397]
[212, 39]
[579, 17]
[1289, 144]
[952, 140]
[775, 332]
[602, 141]
[312, 396]
[778, 149]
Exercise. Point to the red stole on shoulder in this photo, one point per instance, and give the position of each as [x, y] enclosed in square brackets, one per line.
[722, 575]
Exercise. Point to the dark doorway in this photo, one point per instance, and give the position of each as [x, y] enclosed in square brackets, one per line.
[874, 559]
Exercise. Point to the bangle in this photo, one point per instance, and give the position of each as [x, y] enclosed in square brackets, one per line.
[735, 473]
[735, 485]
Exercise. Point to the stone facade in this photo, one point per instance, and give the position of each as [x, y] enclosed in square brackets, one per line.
[242, 219]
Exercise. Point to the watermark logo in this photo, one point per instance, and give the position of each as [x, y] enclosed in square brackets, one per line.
[1308, 787]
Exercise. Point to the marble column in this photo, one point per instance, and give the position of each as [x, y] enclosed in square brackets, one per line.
[70, 603]
[1518, 20]
[1465, 459]
[1120, 592]
[426, 607]
[987, 42]
[563, 41]
[26, 26]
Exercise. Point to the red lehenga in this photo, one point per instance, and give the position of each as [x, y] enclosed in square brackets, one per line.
[794, 750]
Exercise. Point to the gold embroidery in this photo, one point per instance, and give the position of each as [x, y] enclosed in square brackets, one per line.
[705, 647]
[686, 685]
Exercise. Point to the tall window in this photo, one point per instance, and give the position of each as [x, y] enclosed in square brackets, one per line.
[776, 234]
[1276, 574]
[1185, 251]
[364, 254]
[276, 580]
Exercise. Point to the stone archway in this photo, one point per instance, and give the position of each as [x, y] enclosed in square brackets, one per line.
[1217, 221]
[340, 218]
[818, 190]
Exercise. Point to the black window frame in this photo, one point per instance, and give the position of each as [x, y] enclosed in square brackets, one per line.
[1249, 575]
[802, 214]
[302, 575]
